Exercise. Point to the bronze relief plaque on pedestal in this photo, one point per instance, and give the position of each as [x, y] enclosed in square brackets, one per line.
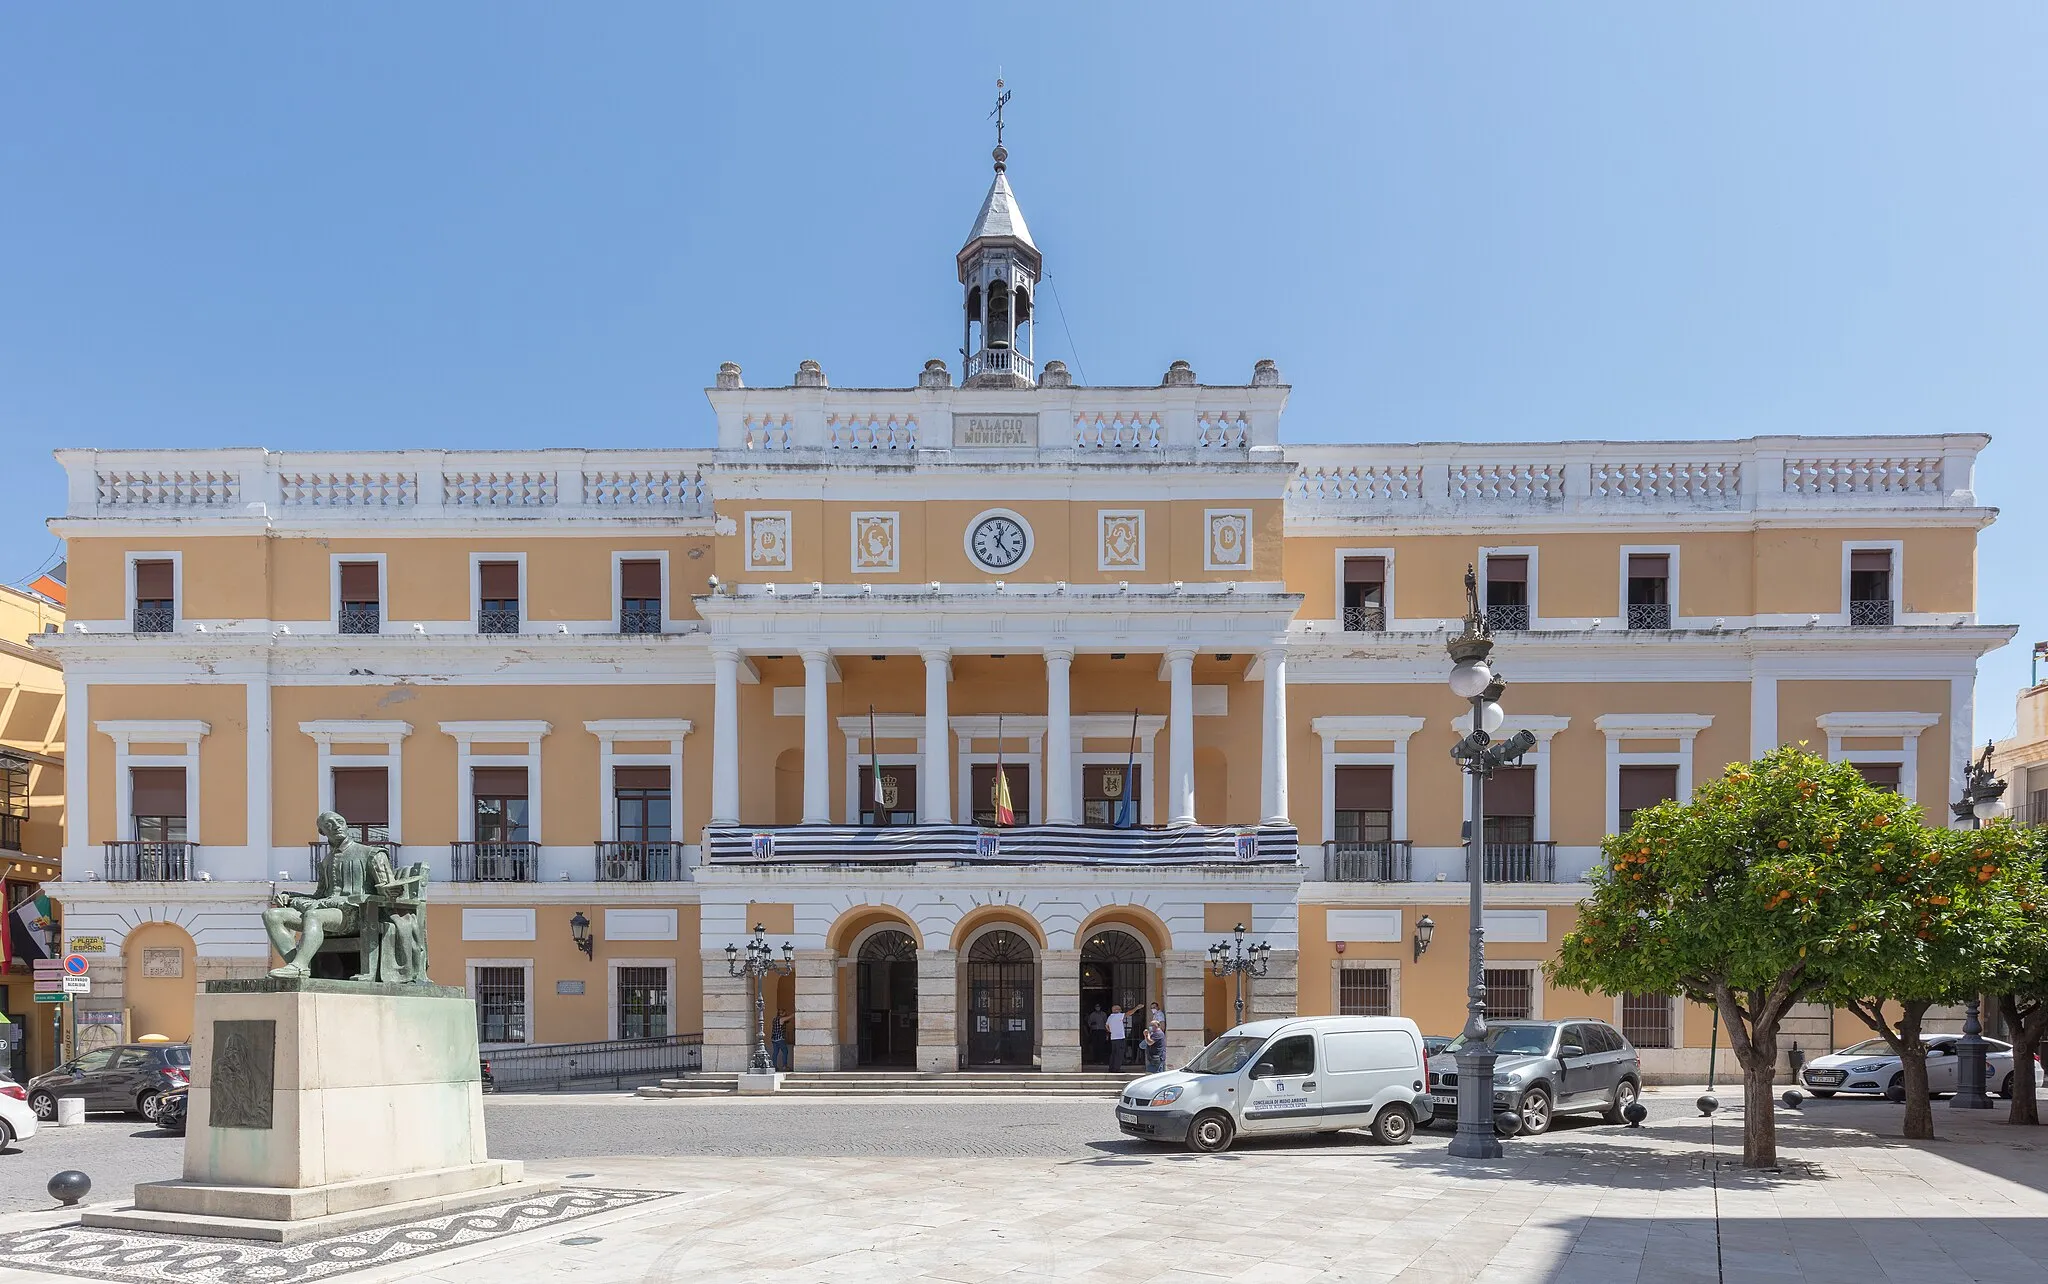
[244, 1072]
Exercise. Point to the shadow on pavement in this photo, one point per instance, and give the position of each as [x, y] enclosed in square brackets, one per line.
[1683, 1250]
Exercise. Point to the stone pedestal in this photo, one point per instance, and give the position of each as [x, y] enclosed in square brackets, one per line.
[322, 1107]
[938, 1006]
[1186, 974]
[1060, 1032]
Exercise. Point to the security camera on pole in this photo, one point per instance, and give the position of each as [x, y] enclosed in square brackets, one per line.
[1479, 755]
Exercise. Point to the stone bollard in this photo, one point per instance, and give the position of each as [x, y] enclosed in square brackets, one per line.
[70, 1111]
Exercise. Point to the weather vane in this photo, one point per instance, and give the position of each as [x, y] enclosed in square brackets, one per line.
[1002, 100]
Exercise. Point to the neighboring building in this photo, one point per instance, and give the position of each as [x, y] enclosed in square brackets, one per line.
[31, 818]
[657, 687]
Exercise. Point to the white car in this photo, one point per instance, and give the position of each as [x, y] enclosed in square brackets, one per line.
[17, 1121]
[1872, 1067]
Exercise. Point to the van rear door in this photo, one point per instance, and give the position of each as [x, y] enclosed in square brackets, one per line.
[1282, 1091]
[1360, 1065]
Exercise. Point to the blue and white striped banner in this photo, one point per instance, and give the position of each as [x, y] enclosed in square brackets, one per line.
[1024, 845]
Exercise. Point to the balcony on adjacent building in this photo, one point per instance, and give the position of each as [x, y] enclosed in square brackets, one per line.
[1365, 619]
[361, 617]
[1649, 615]
[640, 619]
[1383, 861]
[494, 620]
[154, 617]
[148, 862]
[494, 862]
[1519, 863]
[1507, 617]
[640, 862]
[1874, 613]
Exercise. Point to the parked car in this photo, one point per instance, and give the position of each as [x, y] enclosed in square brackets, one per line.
[17, 1121]
[1872, 1068]
[1285, 1076]
[130, 1076]
[170, 1111]
[484, 1063]
[1546, 1069]
[1435, 1043]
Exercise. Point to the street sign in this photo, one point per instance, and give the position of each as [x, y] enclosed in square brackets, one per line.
[78, 985]
[53, 998]
[76, 964]
[88, 945]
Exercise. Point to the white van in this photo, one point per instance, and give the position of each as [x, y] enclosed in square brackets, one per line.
[1290, 1075]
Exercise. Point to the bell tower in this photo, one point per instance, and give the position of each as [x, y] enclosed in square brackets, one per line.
[999, 268]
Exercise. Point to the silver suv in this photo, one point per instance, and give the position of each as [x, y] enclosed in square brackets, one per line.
[1546, 1069]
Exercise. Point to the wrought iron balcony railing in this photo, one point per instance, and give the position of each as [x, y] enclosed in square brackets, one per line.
[640, 619]
[640, 862]
[1518, 863]
[494, 862]
[1365, 619]
[153, 617]
[1383, 861]
[1649, 615]
[497, 621]
[148, 862]
[1876, 614]
[1503, 618]
[361, 617]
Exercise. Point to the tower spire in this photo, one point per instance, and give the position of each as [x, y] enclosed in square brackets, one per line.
[1000, 268]
[1002, 100]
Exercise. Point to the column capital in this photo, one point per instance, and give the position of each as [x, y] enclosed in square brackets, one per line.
[815, 654]
[1181, 654]
[1061, 651]
[1275, 652]
[725, 652]
[936, 654]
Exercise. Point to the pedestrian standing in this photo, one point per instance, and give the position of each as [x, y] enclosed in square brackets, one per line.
[1098, 1021]
[1115, 1028]
[1158, 1016]
[780, 1043]
[1155, 1046]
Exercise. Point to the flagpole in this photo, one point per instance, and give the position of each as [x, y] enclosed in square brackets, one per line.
[995, 800]
[1130, 805]
[875, 768]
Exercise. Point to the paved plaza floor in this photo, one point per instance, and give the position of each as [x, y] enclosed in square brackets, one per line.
[1063, 1198]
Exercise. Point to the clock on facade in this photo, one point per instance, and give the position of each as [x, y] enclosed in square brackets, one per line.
[998, 541]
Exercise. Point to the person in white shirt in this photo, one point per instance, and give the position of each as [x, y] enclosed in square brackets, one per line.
[1116, 1030]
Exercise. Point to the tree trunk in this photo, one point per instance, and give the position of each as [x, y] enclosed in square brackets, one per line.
[1913, 1063]
[2026, 1023]
[1753, 1038]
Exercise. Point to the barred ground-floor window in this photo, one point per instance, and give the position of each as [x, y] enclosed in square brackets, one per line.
[1365, 991]
[1646, 1020]
[500, 994]
[643, 1002]
[1511, 993]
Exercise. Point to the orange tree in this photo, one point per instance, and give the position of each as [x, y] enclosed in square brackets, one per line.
[1944, 916]
[1742, 898]
[2023, 985]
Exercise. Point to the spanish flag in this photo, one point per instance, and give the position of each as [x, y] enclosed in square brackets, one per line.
[1005, 813]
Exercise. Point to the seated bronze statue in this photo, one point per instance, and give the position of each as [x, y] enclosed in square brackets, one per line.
[357, 894]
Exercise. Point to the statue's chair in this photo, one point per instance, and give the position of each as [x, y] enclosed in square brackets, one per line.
[342, 958]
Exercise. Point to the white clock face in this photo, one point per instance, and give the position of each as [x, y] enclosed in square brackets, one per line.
[999, 543]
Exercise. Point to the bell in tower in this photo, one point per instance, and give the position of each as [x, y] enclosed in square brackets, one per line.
[999, 267]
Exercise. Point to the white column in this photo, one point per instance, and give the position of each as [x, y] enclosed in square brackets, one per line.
[1763, 714]
[934, 796]
[1273, 780]
[817, 782]
[725, 736]
[1180, 721]
[1059, 739]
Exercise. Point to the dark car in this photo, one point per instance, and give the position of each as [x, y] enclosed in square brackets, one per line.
[130, 1076]
[170, 1111]
[1546, 1069]
[1435, 1043]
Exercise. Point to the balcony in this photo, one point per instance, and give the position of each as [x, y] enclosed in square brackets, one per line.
[1365, 619]
[153, 617]
[1506, 618]
[148, 862]
[858, 846]
[494, 862]
[361, 617]
[10, 833]
[1518, 863]
[638, 862]
[1385, 861]
[317, 849]
[1873, 614]
[640, 619]
[1649, 615]
[999, 361]
[497, 621]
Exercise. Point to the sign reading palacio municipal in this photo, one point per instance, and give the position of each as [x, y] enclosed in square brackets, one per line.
[996, 430]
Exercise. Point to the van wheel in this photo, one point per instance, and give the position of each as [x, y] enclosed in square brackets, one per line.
[1211, 1132]
[1393, 1126]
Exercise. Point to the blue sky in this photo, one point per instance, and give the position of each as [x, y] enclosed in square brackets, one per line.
[526, 224]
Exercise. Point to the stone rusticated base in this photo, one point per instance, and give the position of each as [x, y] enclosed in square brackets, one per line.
[749, 1082]
[278, 1215]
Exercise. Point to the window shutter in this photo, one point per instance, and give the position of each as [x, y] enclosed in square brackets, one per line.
[1365, 789]
[358, 581]
[1649, 566]
[500, 581]
[1882, 775]
[152, 584]
[156, 791]
[1507, 570]
[640, 778]
[640, 580]
[1365, 570]
[362, 796]
[499, 782]
[1862, 559]
[1512, 792]
[1647, 786]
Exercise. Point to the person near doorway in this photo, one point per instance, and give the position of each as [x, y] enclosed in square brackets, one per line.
[1155, 1045]
[1158, 1016]
[1098, 1021]
[779, 1043]
[1115, 1028]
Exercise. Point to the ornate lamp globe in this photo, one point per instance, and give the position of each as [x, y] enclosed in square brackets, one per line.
[1470, 678]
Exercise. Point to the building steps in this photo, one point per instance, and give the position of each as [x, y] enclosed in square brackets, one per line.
[895, 1083]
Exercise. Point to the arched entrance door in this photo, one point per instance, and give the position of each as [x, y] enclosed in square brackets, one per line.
[1112, 972]
[887, 999]
[1002, 977]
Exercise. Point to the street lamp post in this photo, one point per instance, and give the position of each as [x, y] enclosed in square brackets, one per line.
[757, 962]
[1479, 756]
[1982, 800]
[1235, 958]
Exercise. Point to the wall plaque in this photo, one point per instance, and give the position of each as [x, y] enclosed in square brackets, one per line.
[568, 987]
[244, 1072]
[165, 961]
[971, 431]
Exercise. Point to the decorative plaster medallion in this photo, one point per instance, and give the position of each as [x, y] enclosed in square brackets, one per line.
[1230, 539]
[875, 542]
[1123, 540]
[768, 542]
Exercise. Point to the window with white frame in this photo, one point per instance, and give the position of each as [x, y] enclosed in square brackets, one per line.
[1646, 1020]
[1649, 590]
[1365, 990]
[155, 607]
[1365, 594]
[1510, 601]
[501, 1003]
[643, 1002]
[359, 596]
[1873, 586]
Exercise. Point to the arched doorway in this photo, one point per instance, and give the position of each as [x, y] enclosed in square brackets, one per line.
[1002, 977]
[886, 1002]
[1112, 972]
